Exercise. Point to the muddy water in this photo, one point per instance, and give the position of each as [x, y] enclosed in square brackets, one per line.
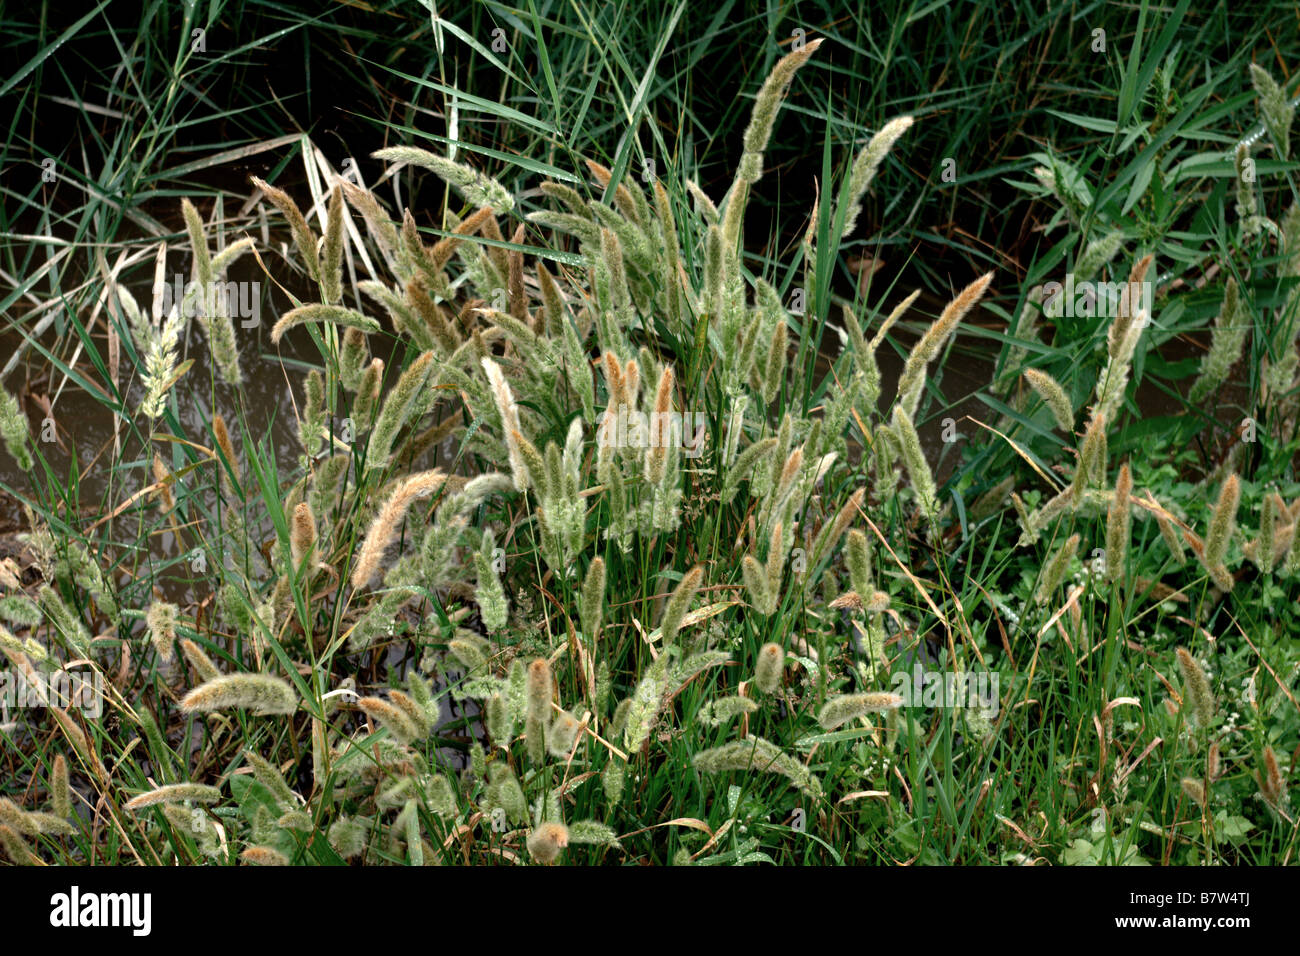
[273, 383]
[967, 371]
[264, 405]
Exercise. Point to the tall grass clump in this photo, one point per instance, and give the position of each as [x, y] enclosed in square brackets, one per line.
[604, 540]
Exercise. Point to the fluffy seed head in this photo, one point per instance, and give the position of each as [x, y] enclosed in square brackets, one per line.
[396, 720]
[657, 453]
[1194, 789]
[912, 379]
[563, 733]
[846, 707]
[1119, 341]
[1054, 570]
[227, 448]
[60, 789]
[918, 469]
[1053, 395]
[857, 555]
[509, 412]
[1118, 520]
[1263, 548]
[319, 312]
[402, 402]
[767, 672]
[1173, 540]
[834, 530]
[539, 690]
[1222, 522]
[1226, 341]
[768, 102]
[1091, 468]
[258, 693]
[678, 602]
[755, 753]
[14, 430]
[1196, 688]
[756, 584]
[1273, 105]
[1272, 785]
[498, 720]
[546, 842]
[1096, 255]
[302, 234]
[478, 188]
[774, 368]
[331, 256]
[264, 856]
[197, 659]
[384, 526]
[348, 837]
[868, 162]
[302, 535]
[175, 793]
[593, 596]
[352, 358]
[161, 622]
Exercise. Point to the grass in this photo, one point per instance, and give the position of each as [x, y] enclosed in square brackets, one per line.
[469, 619]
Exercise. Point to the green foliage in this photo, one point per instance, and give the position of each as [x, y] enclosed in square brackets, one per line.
[691, 572]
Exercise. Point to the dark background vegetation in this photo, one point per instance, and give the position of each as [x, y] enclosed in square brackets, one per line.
[136, 118]
[982, 77]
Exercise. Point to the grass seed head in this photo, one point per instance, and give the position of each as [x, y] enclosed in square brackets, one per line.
[1053, 395]
[766, 105]
[174, 793]
[1277, 111]
[1196, 689]
[302, 536]
[868, 162]
[258, 693]
[303, 237]
[383, 529]
[678, 602]
[918, 467]
[1054, 570]
[840, 710]
[331, 255]
[199, 661]
[1118, 520]
[546, 841]
[767, 673]
[60, 788]
[1194, 789]
[263, 856]
[1222, 522]
[562, 734]
[509, 413]
[393, 718]
[161, 622]
[539, 690]
[912, 380]
[593, 597]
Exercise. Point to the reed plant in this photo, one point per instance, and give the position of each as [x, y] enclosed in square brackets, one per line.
[596, 547]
